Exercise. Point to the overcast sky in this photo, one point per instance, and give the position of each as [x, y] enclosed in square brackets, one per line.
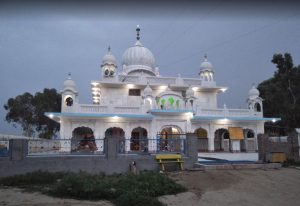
[41, 43]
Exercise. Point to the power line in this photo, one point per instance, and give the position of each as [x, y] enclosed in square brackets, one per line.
[226, 42]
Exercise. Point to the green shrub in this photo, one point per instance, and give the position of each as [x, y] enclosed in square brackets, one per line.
[33, 178]
[149, 183]
[85, 186]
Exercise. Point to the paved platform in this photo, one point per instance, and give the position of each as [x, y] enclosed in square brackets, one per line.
[223, 157]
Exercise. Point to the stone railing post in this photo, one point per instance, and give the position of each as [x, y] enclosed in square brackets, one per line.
[112, 147]
[192, 151]
[262, 140]
[294, 145]
[18, 149]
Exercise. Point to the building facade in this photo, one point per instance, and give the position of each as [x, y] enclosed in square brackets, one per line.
[138, 105]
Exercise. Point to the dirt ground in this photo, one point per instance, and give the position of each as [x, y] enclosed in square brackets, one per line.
[221, 187]
[238, 187]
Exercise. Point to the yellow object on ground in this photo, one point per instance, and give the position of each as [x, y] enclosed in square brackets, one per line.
[169, 158]
[278, 157]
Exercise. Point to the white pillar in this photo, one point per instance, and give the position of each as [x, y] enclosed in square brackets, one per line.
[211, 144]
[152, 143]
[127, 138]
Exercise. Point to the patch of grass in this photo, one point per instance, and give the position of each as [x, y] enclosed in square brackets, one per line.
[123, 190]
[133, 198]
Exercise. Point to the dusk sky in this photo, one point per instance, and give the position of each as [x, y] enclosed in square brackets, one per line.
[41, 43]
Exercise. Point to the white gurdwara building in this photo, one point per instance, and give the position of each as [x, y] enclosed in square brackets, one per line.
[141, 107]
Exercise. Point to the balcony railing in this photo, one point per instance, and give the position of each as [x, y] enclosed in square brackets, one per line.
[108, 109]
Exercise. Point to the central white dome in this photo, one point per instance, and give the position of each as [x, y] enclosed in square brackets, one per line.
[138, 57]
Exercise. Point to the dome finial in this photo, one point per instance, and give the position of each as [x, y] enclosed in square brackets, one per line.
[69, 75]
[108, 49]
[138, 32]
[205, 57]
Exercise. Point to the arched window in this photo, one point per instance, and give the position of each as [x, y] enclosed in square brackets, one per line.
[250, 134]
[257, 107]
[69, 101]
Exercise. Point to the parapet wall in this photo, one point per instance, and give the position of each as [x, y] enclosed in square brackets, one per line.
[18, 161]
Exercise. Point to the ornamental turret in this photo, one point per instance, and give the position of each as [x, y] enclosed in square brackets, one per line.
[206, 70]
[109, 65]
[254, 101]
[69, 93]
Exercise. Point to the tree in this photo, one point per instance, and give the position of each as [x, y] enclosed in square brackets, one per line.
[28, 111]
[281, 93]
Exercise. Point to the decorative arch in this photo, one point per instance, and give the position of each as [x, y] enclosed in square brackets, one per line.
[179, 130]
[139, 139]
[249, 133]
[169, 100]
[201, 132]
[114, 132]
[83, 139]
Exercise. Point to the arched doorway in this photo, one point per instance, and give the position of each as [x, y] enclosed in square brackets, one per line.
[221, 140]
[202, 139]
[170, 140]
[119, 133]
[249, 141]
[83, 140]
[139, 140]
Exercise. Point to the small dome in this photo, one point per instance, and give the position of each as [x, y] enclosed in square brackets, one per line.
[189, 92]
[69, 82]
[69, 85]
[109, 58]
[253, 92]
[206, 65]
[138, 55]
